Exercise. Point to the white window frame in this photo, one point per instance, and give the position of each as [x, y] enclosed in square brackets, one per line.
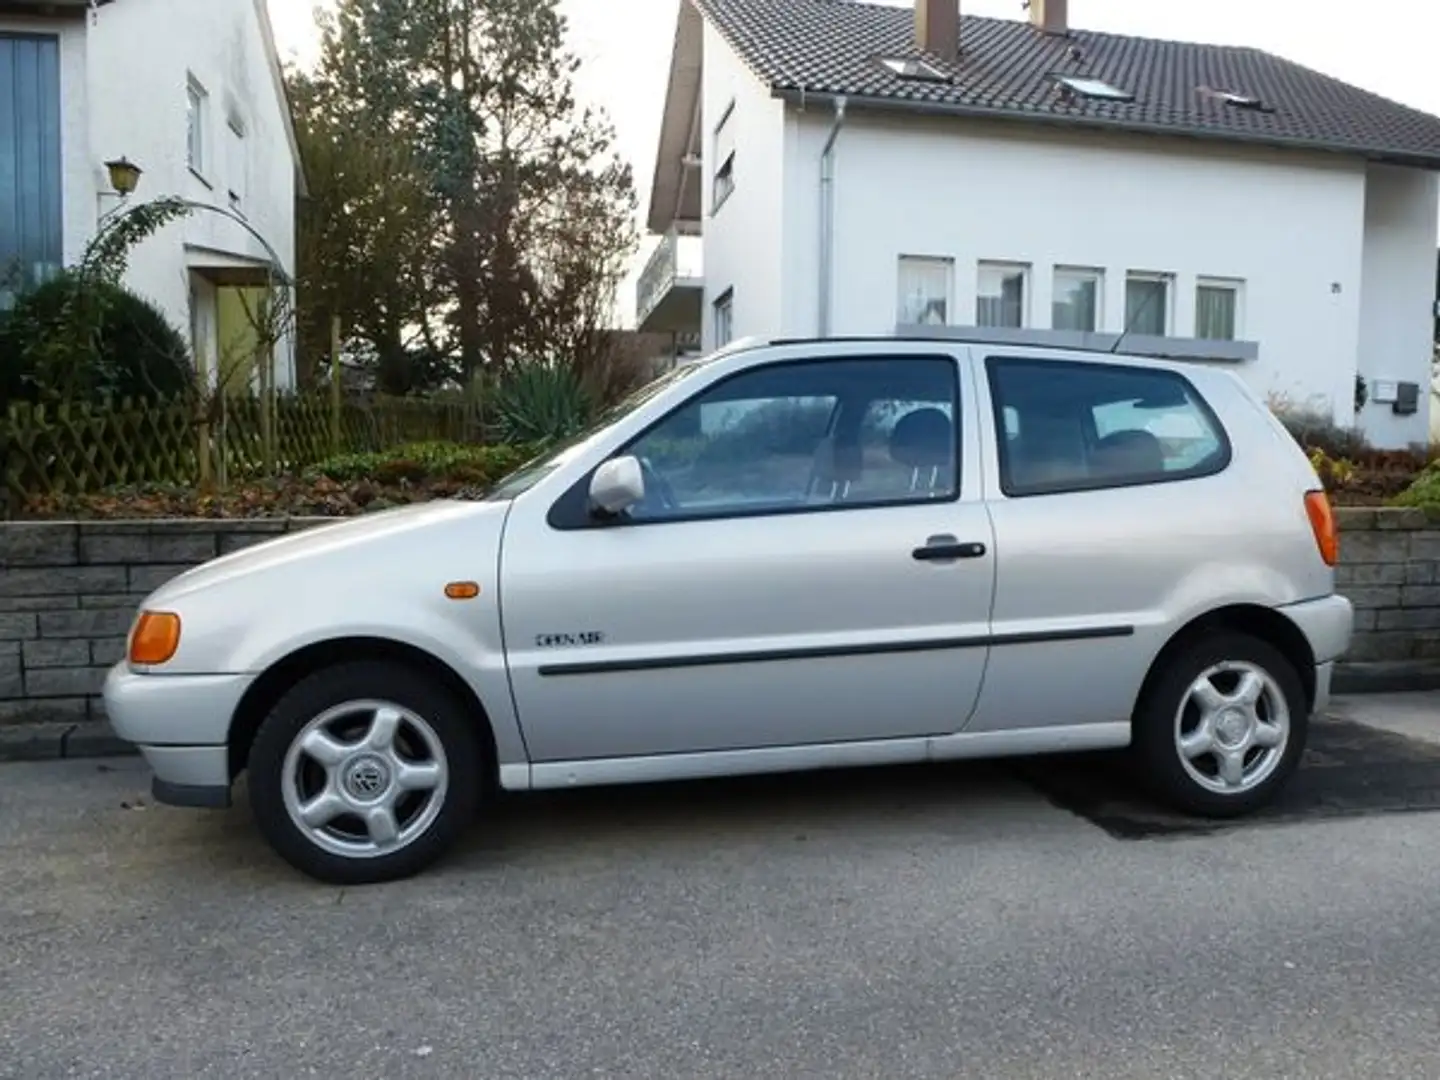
[1005, 267]
[1233, 285]
[1087, 273]
[924, 264]
[722, 143]
[723, 313]
[1154, 277]
[197, 142]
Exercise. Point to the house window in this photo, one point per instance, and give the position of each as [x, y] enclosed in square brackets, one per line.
[196, 102]
[1147, 304]
[724, 154]
[1217, 309]
[724, 318]
[925, 287]
[1077, 298]
[238, 165]
[1001, 294]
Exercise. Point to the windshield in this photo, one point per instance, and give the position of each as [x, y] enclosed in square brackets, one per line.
[534, 470]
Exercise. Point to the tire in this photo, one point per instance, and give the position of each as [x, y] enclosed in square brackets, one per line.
[349, 743]
[1196, 783]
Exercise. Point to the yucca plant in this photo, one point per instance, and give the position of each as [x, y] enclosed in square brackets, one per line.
[540, 401]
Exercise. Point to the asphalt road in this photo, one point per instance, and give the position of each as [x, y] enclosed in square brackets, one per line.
[941, 922]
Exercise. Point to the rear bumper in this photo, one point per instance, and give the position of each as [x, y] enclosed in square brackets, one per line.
[181, 724]
[1327, 624]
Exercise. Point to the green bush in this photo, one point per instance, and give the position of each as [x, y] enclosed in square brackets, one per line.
[428, 462]
[90, 342]
[1424, 490]
[541, 402]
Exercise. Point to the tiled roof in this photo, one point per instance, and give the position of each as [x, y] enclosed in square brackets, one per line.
[1007, 68]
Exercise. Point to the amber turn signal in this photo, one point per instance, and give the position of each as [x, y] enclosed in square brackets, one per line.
[462, 590]
[1322, 523]
[155, 637]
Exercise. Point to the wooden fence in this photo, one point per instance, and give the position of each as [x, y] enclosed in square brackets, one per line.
[75, 448]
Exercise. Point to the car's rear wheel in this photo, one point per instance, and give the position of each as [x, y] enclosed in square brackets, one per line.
[365, 773]
[1223, 727]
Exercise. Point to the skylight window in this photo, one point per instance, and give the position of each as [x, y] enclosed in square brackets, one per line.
[1230, 97]
[1089, 87]
[913, 68]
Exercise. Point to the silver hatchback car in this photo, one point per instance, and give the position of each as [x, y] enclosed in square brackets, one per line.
[789, 555]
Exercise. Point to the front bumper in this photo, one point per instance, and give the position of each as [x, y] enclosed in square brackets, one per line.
[181, 724]
[1327, 624]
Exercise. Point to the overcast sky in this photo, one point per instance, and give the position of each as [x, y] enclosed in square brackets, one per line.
[1387, 47]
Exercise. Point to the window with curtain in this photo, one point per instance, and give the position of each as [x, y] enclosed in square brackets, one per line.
[1217, 310]
[1147, 304]
[723, 155]
[1076, 300]
[924, 296]
[724, 318]
[1000, 295]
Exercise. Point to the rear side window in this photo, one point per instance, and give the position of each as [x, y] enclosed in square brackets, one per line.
[1081, 426]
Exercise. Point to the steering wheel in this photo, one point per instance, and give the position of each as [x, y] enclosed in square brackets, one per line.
[658, 485]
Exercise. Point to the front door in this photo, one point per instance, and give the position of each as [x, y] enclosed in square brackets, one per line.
[811, 564]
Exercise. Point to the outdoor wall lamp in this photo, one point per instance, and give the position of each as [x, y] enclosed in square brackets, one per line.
[124, 176]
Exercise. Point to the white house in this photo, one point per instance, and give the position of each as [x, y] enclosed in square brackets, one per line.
[851, 168]
[191, 92]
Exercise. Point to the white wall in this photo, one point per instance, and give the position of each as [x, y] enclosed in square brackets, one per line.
[80, 174]
[138, 109]
[1290, 226]
[1397, 292]
[742, 240]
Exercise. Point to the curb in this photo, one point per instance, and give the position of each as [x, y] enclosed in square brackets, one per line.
[1386, 677]
[58, 742]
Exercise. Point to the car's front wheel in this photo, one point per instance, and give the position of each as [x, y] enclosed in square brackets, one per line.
[1223, 726]
[365, 772]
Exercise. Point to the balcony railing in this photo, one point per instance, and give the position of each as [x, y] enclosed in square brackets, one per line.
[675, 258]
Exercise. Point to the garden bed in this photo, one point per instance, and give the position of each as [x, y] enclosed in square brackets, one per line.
[343, 486]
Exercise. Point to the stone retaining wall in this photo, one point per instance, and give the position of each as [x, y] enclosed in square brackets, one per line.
[69, 590]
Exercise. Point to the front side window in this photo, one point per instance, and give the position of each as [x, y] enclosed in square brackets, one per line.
[803, 436]
[1082, 426]
[1000, 295]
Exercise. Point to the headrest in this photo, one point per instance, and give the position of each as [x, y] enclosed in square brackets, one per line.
[923, 439]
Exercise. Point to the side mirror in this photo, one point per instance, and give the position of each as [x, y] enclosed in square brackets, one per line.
[617, 485]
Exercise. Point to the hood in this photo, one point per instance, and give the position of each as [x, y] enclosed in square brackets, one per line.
[322, 543]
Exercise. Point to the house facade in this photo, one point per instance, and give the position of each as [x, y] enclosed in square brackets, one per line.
[192, 94]
[857, 169]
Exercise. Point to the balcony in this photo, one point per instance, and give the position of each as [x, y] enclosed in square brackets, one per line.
[671, 288]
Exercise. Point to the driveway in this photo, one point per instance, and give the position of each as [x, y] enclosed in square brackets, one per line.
[934, 922]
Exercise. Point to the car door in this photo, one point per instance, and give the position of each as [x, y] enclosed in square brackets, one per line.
[811, 564]
[1102, 498]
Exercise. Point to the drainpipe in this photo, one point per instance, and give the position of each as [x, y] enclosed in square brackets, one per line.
[827, 217]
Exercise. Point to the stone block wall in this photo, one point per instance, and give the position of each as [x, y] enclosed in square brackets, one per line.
[69, 590]
[1390, 570]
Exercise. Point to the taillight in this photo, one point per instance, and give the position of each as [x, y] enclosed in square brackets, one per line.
[1322, 524]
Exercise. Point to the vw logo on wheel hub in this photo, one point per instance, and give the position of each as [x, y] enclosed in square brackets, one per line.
[366, 777]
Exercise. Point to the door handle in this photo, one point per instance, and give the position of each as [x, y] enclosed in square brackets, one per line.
[945, 548]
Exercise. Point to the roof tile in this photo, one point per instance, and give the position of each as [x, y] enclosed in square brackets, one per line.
[1008, 67]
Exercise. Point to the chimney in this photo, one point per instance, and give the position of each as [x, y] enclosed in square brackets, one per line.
[937, 27]
[1049, 16]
